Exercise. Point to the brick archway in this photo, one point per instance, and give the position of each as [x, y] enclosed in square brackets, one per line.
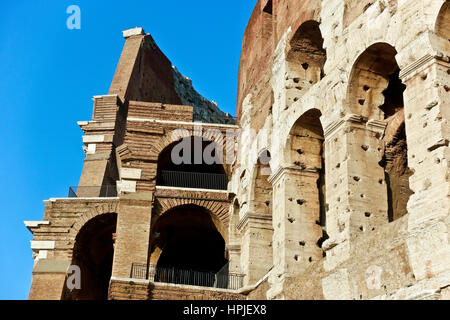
[189, 222]
[90, 214]
[219, 210]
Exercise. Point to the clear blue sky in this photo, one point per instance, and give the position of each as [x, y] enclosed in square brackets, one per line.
[50, 73]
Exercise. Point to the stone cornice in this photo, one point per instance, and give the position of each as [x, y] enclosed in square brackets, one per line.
[252, 217]
[417, 66]
[233, 247]
[336, 125]
[280, 171]
[376, 125]
[371, 124]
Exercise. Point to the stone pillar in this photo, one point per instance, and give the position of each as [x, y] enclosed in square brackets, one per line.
[234, 243]
[356, 190]
[234, 255]
[133, 233]
[256, 246]
[48, 280]
[297, 230]
[427, 115]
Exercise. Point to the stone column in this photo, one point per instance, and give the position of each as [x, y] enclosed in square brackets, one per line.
[133, 233]
[234, 243]
[256, 246]
[356, 190]
[427, 115]
[296, 225]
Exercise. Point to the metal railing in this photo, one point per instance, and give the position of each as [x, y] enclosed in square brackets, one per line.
[192, 180]
[88, 192]
[221, 279]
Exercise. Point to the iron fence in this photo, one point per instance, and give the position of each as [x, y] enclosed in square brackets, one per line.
[221, 279]
[98, 191]
[193, 180]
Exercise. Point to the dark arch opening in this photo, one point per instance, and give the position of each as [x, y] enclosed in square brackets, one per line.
[190, 240]
[192, 163]
[93, 252]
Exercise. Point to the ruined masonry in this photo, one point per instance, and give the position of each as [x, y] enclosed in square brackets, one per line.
[337, 186]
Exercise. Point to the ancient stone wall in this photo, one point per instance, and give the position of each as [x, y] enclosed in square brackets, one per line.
[358, 135]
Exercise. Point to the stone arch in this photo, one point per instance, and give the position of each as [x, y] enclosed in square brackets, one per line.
[442, 26]
[185, 225]
[375, 92]
[305, 60]
[369, 78]
[93, 212]
[307, 127]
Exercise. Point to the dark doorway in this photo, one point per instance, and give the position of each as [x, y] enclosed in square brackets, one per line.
[193, 250]
[93, 253]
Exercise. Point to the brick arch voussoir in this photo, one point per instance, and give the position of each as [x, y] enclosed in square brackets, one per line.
[90, 214]
[219, 210]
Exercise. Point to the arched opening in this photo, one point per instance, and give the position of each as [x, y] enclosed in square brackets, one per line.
[443, 22]
[376, 92]
[305, 61]
[93, 254]
[192, 163]
[193, 248]
[306, 151]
